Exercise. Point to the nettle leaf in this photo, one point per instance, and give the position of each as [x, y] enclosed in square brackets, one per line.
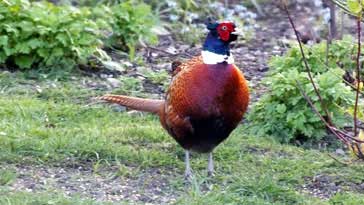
[57, 52]
[43, 52]
[11, 29]
[63, 38]
[23, 48]
[281, 108]
[35, 43]
[43, 30]
[8, 51]
[4, 40]
[26, 26]
[24, 61]
[3, 57]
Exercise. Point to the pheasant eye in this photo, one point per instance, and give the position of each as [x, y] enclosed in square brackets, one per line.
[224, 28]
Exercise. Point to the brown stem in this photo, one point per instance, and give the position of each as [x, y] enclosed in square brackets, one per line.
[357, 77]
[333, 130]
[337, 160]
[353, 87]
[343, 136]
[308, 70]
[333, 27]
[328, 42]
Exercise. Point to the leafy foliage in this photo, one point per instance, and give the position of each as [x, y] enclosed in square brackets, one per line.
[45, 35]
[284, 113]
[42, 34]
[130, 23]
[352, 7]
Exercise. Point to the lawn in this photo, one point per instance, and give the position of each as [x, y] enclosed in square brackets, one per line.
[126, 157]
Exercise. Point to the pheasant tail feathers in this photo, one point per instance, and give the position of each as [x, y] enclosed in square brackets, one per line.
[146, 105]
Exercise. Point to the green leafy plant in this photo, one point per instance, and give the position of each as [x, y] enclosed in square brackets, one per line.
[45, 35]
[131, 23]
[284, 113]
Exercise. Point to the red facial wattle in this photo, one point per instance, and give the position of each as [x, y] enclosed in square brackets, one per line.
[224, 30]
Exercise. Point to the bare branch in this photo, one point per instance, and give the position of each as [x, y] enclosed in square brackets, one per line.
[331, 128]
[357, 76]
[308, 70]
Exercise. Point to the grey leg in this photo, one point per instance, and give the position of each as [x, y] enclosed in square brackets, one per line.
[210, 165]
[188, 171]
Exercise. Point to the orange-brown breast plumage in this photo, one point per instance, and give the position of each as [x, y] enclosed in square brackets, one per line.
[204, 104]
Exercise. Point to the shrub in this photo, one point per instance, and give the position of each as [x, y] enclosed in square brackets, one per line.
[131, 23]
[42, 34]
[284, 113]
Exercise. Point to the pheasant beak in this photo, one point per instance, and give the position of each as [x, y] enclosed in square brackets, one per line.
[237, 31]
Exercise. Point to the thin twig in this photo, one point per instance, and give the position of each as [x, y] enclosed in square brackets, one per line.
[328, 42]
[331, 128]
[330, 70]
[337, 132]
[344, 6]
[357, 75]
[6, 2]
[333, 28]
[337, 160]
[329, 121]
[346, 135]
[353, 87]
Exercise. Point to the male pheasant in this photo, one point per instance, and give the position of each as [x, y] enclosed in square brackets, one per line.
[206, 100]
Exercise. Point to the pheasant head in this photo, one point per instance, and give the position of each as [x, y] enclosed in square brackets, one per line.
[216, 48]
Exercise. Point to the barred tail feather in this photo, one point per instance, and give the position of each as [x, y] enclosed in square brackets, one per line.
[146, 105]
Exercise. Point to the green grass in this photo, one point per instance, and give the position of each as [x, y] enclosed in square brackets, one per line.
[24, 198]
[55, 125]
[7, 176]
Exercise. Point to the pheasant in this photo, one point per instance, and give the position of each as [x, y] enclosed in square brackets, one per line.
[206, 99]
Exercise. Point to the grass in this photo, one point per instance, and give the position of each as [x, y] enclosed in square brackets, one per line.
[24, 198]
[7, 177]
[47, 122]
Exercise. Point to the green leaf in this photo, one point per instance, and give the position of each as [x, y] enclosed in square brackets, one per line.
[57, 52]
[24, 61]
[43, 52]
[4, 40]
[35, 43]
[63, 38]
[281, 108]
[354, 6]
[2, 57]
[22, 47]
